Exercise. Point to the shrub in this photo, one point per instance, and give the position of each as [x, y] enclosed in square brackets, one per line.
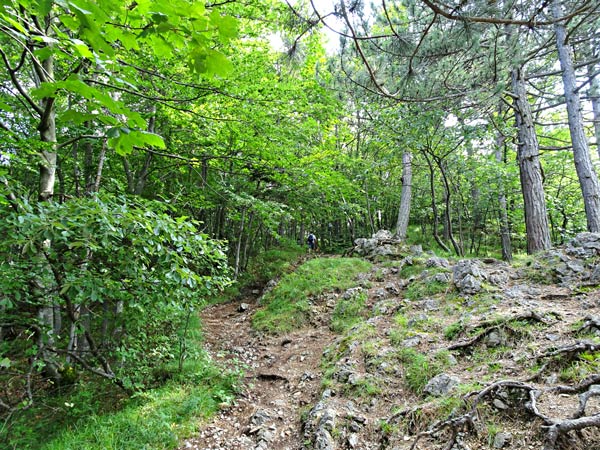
[105, 285]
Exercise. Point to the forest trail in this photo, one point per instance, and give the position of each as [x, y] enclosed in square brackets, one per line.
[439, 343]
[282, 379]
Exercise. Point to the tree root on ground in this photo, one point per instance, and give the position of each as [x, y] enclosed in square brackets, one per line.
[566, 352]
[498, 325]
[590, 324]
[553, 428]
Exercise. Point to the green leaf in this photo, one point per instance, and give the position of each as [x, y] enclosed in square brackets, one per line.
[125, 142]
[4, 363]
[217, 64]
[82, 49]
[44, 7]
[227, 28]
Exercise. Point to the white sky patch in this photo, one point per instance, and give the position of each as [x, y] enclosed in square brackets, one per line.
[450, 121]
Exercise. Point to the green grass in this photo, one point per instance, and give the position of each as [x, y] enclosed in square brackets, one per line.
[420, 368]
[348, 312]
[419, 289]
[94, 414]
[410, 270]
[157, 419]
[454, 330]
[267, 266]
[288, 305]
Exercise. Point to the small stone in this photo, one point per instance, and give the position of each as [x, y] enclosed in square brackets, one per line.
[354, 426]
[499, 404]
[267, 435]
[259, 418]
[353, 440]
[411, 342]
[552, 337]
[243, 307]
[501, 439]
[494, 339]
[441, 385]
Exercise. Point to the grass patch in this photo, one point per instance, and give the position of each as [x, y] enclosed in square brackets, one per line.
[348, 312]
[425, 288]
[288, 305]
[414, 269]
[420, 368]
[454, 330]
[94, 414]
[586, 363]
[267, 266]
[537, 269]
[155, 419]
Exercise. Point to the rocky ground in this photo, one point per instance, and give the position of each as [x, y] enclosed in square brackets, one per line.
[448, 354]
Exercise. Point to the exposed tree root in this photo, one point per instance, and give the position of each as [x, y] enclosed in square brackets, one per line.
[499, 325]
[554, 428]
[590, 324]
[567, 353]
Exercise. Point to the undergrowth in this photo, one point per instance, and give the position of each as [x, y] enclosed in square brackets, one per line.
[265, 267]
[94, 414]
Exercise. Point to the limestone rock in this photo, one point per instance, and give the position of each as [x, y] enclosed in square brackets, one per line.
[436, 261]
[468, 276]
[441, 385]
[501, 440]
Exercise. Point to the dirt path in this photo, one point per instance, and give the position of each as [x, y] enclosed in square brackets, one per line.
[282, 380]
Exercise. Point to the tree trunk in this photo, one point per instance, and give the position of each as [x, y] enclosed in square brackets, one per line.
[595, 99]
[405, 199]
[588, 180]
[239, 246]
[436, 236]
[448, 211]
[503, 213]
[530, 169]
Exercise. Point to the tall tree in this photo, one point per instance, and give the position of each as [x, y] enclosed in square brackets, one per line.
[588, 180]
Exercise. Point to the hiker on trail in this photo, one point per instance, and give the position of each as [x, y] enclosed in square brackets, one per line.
[312, 242]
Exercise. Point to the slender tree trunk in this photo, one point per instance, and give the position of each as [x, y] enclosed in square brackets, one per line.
[594, 94]
[530, 170]
[588, 180]
[248, 240]
[101, 159]
[503, 213]
[239, 246]
[44, 72]
[406, 197]
[370, 216]
[434, 210]
[448, 211]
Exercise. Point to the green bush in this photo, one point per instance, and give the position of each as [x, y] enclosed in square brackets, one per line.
[98, 285]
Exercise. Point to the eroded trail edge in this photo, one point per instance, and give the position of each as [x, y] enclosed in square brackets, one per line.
[282, 380]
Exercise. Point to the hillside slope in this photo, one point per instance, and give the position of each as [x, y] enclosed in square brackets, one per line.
[424, 353]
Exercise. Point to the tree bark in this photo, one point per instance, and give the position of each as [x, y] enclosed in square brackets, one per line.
[503, 213]
[406, 197]
[458, 248]
[436, 236]
[595, 99]
[530, 169]
[588, 180]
